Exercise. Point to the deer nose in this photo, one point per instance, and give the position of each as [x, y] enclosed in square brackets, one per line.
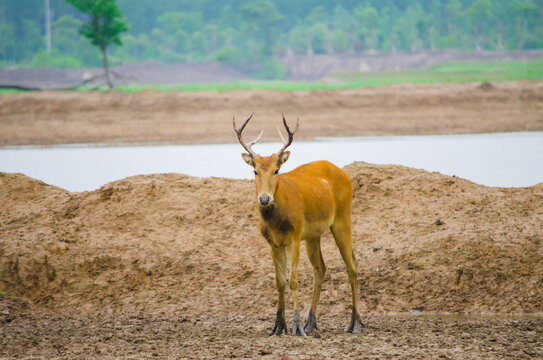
[264, 199]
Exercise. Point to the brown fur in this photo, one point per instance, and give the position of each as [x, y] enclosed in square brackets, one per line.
[301, 205]
[306, 201]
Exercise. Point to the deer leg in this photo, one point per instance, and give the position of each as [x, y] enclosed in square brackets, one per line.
[294, 250]
[313, 248]
[280, 262]
[342, 234]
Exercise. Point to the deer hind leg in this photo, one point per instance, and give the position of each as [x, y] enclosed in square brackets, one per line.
[341, 230]
[279, 256]
[313, 248]
[294, 257]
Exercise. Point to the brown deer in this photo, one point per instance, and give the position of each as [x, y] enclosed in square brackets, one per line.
[301, 205]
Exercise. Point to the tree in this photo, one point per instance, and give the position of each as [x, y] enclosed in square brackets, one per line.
[260, 18]
[523, 12]
[7, 41]
[368, 19]
[478, 15]
[319, 38]
[340, 41]
[104, 27]
[298, 39]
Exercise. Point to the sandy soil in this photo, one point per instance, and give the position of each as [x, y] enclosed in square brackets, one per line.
[205, 117]
[168, 265]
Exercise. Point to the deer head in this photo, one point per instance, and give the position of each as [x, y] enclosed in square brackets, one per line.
[266, 168]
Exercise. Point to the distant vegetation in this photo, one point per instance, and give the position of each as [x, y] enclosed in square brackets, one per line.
[103, 28]
[494, 71]
[251, 35]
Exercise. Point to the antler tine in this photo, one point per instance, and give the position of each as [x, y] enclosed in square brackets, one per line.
[240, 130]
[281, 135]
[286, 144]
[251, 143]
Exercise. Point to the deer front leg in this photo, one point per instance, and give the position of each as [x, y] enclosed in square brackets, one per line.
[297, 325]
[313, 248]
[279, 256]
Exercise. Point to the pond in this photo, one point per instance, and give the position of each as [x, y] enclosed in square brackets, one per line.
[504, 159]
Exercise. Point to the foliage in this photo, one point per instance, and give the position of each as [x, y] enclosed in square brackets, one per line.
[54, 60]
[104, 26]
[271, 69]
[249, 34]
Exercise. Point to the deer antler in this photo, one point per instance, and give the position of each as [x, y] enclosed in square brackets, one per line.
[240, 130]
[286, 143]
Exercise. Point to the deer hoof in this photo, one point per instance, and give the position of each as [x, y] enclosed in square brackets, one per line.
[311, 323]
[280, 325]
[297, 325]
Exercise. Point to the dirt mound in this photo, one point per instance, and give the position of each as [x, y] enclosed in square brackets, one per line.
[205, 117]
[486, 86]
[174, 244]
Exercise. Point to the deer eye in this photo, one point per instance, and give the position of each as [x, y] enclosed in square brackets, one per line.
[276, 172]
[255, 172]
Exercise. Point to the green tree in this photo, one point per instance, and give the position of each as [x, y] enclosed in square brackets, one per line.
[340, 41]
[259, 28]
[524, 14]
[190, 22]
[452, 14]
[260, 18]
[426, 31]
[319, 38]
[65, 34]
[298, 39]
[408, 32]
[8, 42]
[199, 45]
[103, 28]
[389, 29]
[368, 19]
[478, 15]
[317, 15]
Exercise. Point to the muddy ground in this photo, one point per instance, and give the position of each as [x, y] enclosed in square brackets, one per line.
[219, 337]
[205, 117]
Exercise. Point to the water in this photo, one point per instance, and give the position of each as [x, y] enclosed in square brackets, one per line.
[506, 159]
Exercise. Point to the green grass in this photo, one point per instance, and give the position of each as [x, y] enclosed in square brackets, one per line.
[494, 71]
[10, 91]
[454, 72]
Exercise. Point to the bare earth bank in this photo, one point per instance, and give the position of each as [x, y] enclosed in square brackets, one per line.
[205, 117]
[172, 266]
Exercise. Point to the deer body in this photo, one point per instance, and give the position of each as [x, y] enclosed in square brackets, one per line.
[306, 202]
[300, 206]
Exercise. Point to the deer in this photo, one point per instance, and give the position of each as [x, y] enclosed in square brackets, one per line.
[296, 206]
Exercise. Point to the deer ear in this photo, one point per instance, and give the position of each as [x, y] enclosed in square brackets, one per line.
[283, 157]
[248, 159]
